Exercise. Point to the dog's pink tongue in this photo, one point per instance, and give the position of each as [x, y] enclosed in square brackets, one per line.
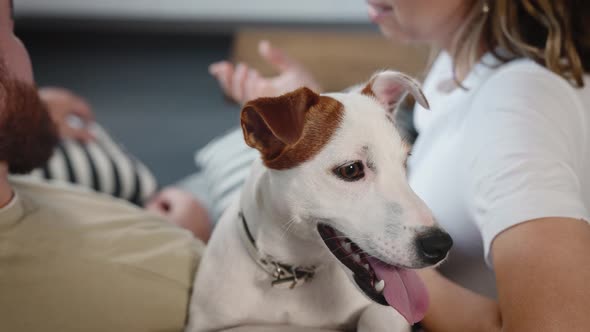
[404, 290]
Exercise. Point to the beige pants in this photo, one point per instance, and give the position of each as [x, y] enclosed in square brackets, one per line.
[71, 260]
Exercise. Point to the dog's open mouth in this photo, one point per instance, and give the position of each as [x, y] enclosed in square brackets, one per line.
[383, 283]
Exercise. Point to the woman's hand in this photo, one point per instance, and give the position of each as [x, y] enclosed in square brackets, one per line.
[70, 112]
[182, 209]
[242, 83]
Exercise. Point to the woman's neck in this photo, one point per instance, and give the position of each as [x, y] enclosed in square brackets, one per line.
[463, 64]
[5, 187]
[449, 43]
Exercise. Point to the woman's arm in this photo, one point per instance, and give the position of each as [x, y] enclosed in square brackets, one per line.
[542, 271]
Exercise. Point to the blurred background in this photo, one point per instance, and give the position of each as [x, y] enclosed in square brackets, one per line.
[143, 64]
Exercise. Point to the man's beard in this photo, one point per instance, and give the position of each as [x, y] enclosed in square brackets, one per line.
[27, 134]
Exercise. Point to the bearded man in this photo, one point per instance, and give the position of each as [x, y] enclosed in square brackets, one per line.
[71, 259]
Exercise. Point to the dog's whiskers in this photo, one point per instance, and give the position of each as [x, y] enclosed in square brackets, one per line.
[353, 239]
[287, 226]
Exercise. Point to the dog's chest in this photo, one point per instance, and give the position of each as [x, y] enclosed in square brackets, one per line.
[329, 300]
[232, 290]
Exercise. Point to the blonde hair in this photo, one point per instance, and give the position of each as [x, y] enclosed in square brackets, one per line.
[553, 33]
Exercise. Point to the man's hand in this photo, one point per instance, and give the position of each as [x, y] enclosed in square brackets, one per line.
[182, 209]
[71, 113]
[242, 83]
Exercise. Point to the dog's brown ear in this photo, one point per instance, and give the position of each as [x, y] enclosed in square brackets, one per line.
[390, 87]
[270, 125]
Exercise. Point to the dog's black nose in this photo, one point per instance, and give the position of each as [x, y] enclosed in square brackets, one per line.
[434, 245]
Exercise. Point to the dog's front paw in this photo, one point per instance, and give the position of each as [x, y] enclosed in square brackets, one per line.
[378, 318]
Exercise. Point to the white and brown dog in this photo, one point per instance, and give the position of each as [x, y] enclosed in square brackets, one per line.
[327, 229]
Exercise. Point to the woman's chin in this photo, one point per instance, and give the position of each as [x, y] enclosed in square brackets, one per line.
[394, 34]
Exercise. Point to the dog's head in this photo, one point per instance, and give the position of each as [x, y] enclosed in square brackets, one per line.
[342, 168]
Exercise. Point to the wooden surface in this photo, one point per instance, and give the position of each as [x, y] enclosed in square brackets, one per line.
[337, 59]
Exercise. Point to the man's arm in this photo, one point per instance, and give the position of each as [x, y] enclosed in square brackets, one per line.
[542, 268]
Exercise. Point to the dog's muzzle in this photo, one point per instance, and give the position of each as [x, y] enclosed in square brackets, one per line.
[383, 283]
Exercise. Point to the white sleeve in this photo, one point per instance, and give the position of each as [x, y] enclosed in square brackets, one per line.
[528, 139]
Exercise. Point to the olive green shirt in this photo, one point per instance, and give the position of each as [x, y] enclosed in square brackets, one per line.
[74, 260]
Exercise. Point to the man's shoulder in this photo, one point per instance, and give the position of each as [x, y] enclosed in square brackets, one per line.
[69, 207]
[69, 200]
[72, 246]
[67, 221]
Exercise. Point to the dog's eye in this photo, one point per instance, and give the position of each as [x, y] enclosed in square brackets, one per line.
[352, 171]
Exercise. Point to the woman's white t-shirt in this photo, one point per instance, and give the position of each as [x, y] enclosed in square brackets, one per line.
[512, 147]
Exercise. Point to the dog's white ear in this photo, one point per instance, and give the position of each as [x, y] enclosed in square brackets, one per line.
[389, 88]
[270, 125]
